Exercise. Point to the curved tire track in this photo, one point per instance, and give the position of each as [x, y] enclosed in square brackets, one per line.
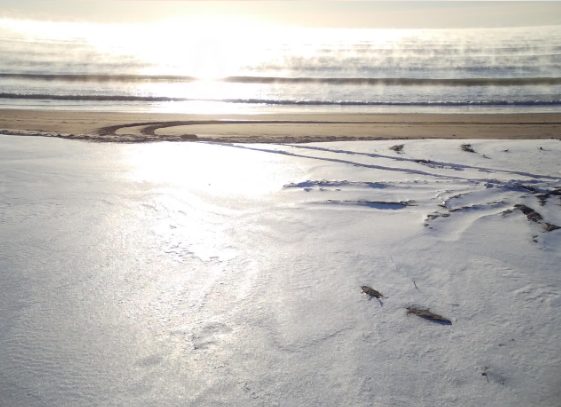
[150, 128]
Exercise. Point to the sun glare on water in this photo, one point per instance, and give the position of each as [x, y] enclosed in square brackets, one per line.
[206, 47]
[203, 49]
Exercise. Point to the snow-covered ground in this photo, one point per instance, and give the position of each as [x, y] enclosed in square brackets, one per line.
[170, 274]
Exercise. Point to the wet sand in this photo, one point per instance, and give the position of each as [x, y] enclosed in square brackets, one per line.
[256, 128]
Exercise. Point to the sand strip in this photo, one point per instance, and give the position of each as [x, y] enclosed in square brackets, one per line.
[141, 127]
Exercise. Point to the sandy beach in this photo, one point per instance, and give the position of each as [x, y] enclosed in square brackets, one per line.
[138, 127]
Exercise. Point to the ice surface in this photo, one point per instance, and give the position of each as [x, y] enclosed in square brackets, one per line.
[212, 274]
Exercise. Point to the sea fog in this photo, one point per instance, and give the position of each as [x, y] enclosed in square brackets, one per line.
[178, 68]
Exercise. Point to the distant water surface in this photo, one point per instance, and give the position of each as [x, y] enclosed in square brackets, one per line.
[171, 67]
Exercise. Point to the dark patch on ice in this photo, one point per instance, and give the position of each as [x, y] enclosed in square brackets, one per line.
[549, 227]
[427, 314]
[310, 184]
[544, 196]
[372, 204]
[534, 187]
[533, 216]
[530, 213]
[398, 148]
[478, 206]
[542, 193]
[371, 292]
[467, 148]
[492, 376]
[435, 164]
[437, 214]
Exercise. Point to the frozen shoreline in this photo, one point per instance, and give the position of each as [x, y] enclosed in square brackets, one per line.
[231, 274]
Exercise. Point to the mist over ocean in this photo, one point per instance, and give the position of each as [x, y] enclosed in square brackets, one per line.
[170, 67]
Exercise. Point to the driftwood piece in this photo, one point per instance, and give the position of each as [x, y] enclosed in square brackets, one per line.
[427, 314]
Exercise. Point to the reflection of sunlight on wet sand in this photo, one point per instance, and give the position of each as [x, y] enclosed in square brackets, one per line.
[205, 168]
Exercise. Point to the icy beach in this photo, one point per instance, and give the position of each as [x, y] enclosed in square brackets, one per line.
[209, 274]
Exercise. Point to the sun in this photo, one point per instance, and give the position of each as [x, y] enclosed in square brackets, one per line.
[206, 47]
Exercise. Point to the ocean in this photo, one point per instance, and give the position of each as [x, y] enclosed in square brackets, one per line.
[173, 68]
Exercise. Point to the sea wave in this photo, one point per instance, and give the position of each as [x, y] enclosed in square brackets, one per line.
[401, 81]
[96, 77]
[305, 102]
[398, 81]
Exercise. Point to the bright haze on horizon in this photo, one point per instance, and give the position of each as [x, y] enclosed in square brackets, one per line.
[259, 55]
[345, 14]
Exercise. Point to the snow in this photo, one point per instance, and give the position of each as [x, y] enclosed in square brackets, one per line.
[213, 274]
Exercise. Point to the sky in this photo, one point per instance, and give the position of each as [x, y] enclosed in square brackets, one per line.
[301, 13]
